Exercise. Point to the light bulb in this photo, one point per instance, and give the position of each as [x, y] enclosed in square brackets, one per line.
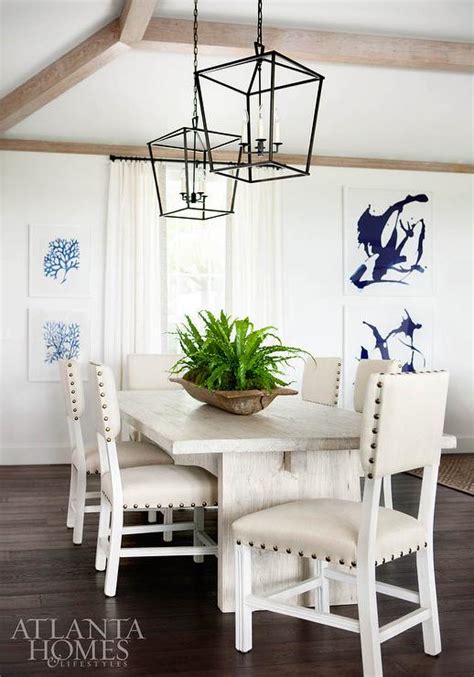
[276, 127]
[261, 125]
[245, 120]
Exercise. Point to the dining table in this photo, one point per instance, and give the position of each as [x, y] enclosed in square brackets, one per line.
[292, 450]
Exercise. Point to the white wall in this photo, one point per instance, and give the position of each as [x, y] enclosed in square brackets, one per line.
[46, 189]
[313, 267]
[73, 190]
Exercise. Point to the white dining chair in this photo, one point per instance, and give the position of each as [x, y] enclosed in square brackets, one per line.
[151, 371]
[365, 369]
[140, 489]
[85, 459]
[402, 428]
[321, 380]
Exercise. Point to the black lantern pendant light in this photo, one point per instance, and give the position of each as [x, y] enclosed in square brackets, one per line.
[262, 84]
[192, 145]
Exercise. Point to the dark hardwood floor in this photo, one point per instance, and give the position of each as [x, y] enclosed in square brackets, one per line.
[43, 575]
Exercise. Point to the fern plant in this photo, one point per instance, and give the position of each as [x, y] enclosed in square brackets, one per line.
[230, 354]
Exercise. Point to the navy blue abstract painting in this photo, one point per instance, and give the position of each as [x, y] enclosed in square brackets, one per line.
[387, 241]
[61, 341]
[388, 330]
[398, 343]
[63, 256]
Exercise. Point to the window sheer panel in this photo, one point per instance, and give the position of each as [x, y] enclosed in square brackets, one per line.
[133, 284]
[195, 261]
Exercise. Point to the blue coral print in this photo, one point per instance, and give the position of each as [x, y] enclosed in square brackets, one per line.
[387, 239]
[62, 257]
[398, 341]
[61, 340]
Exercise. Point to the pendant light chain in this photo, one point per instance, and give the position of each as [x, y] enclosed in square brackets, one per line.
[195, 63]
[259, 22]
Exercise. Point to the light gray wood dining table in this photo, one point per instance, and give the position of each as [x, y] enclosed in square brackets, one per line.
[291, 450]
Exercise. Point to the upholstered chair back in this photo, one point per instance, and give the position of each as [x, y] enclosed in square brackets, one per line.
[73, 388]
[151, 372]
[107, 411]
[364, 369]
[321, 380]
[402, 422]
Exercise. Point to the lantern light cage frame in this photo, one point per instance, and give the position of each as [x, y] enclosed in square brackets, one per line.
[249, 158]
[190, 147]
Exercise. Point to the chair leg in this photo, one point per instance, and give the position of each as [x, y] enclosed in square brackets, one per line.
[152, 516]
[428, 600]
[113, 561]
[387, 492]
[369, 623]
[102, 535]
[80, 504]
[198, 526]
[72, 497]
[322, 597]
[168, 519]
[243, 587]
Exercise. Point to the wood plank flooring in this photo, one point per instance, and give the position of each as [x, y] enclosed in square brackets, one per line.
[43, 575]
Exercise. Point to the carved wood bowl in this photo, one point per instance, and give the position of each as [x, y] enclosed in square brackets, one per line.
[240, 402]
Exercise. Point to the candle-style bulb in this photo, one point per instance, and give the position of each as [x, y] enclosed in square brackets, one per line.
[183, 180]
[261, 125]
[245, 121]
[276, 127]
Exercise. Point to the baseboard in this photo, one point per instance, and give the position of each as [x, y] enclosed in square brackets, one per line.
[465, 445]
[23, 454]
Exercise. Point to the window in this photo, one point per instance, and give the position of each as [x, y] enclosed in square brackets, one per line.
[196, 256]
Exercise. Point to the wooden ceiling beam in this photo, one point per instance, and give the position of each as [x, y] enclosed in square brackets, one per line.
[58, 77]
[134, 20]
[311, 45]
[40, 146]
[77, 64]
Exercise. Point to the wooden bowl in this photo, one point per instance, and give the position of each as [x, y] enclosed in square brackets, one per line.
[240, 402]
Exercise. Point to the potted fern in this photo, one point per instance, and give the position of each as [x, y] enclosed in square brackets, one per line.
[231, 365]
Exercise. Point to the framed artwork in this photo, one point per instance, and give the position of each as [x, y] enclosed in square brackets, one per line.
[54, 335]
[387, 242]
[59, 263]
[393, 330]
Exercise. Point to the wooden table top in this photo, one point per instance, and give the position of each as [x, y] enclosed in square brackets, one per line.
[181, 425]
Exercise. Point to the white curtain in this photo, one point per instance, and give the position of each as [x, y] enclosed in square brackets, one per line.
[132, 312]
[256, 252]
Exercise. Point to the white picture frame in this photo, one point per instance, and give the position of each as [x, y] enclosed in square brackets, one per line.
[390, 339]
[54, 334]
[388, 242]
[59, 261]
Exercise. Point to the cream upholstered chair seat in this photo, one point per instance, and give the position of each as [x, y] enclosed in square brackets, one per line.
[129, 454]
[175, 486]
[328, 529]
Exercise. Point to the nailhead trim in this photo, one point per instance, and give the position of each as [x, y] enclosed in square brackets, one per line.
[328, 559]
[262, 545]
[288, 550]
[275, 548]
[314, 556]
[238, 542]
[301, 553]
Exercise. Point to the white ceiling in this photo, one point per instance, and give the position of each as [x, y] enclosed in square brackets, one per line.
[373, 112]
[443, 19]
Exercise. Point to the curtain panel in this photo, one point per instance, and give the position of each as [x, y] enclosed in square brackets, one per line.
[256, 253]
[133, 279]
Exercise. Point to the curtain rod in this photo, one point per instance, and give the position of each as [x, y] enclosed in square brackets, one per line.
[138, 158]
